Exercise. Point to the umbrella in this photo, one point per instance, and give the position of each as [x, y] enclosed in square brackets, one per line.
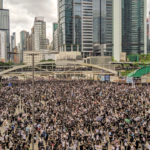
[99, 118]
[127, 120]
[137, 118]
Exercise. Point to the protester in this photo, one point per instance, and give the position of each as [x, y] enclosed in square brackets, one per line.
[75, 115]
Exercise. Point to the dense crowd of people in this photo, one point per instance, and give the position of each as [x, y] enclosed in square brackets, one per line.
[75, 115]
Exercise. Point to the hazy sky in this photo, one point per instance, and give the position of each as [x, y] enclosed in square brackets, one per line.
[22, 13]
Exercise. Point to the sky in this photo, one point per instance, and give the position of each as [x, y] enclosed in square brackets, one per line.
[23, 12]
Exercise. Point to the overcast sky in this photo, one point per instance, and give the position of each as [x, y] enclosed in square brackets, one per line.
[22, 13]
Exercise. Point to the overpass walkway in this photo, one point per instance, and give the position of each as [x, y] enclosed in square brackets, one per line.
[23, 66]
[44, 63]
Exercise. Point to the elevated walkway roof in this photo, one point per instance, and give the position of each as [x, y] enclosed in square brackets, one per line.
[82, 64]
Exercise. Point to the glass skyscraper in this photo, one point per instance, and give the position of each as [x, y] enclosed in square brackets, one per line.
[65, 15]
[133, 19]
[87, 28]
[4, 25]
[103, 27]
[69, 25]
[1, 4]
[77, 22]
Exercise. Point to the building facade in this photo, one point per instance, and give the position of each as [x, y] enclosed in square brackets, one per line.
[1, 4]
[23, 40]
[149, 25]
[23, 43]
[87, 28]
[39, 34]
[3, 46]
[148, 34]
[55, 40]
[29, 42]
[77, 25]
[4, 26]
[133, 26]
[103, 27]
[55, 36]
[129, 27]
[65, 21]
[12, 45]
[13, 41]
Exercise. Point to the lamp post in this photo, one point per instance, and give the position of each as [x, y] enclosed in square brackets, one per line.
[33, 99]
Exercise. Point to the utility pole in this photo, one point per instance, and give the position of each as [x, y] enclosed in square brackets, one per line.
[33, 99]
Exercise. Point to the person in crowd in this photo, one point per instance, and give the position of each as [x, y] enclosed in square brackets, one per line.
[74, 115]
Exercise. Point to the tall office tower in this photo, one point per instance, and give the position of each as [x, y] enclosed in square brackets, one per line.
[13, 41]
[65, 21]
[23, 40]
[13, 45]
[32, 38]
[129, 27]
[39, 34]
[55, 36]
[134, 26]
[148, 34]
[4, 26]
[149, 25]
[3, 46]
[77, 25]
[103, 27]
[23, 43]
[148, 38]
[1, 4]
[29, 42]
[117, 29]
[87, 28]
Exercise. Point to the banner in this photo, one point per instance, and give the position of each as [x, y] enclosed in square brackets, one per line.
[107, 78]
[129, 80]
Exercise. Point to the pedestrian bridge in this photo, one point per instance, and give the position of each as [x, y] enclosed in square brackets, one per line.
[21, 68]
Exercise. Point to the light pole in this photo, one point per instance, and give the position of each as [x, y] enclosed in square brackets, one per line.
[33, 99]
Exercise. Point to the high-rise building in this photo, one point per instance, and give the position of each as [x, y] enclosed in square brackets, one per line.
[13, 41]
[1, 4]
[13, 45]
[129, 27]
[65, 21]
[117, 29]
[55, 36]
[103, 27]
[23, 43]
[29, 42]
[4, 26]
[87, 28]
[134, 26]
[148, 34]
[72, 22]
[3, 46]
[149, 25]
[32, 38]
[23, 40]
[77, 25]
[39, 34]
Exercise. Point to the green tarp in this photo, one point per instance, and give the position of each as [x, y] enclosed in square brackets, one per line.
[141, 72]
